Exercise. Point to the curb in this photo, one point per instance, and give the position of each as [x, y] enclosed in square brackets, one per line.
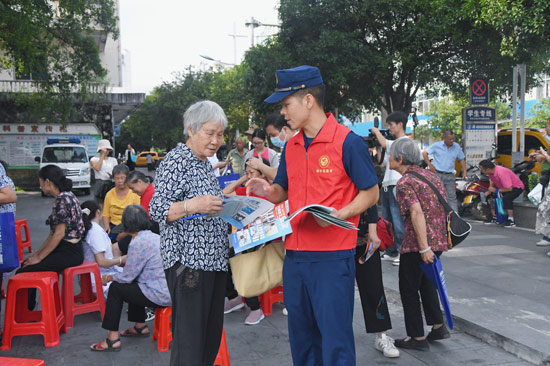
[488, 336]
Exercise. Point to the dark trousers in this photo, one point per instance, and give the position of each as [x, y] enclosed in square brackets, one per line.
[509, 197]
[371, 291]
[412, 280]
[319, 297]
[197, 314]
[65, 255]
[125, 292]
[252, 302]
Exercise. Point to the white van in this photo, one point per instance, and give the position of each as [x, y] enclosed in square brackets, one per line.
[72, 157]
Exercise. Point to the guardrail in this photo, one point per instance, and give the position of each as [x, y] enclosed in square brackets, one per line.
[30, 86]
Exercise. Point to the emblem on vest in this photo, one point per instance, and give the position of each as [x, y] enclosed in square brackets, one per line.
[324, 163]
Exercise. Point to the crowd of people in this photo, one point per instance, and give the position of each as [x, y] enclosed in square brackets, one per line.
[158, 245]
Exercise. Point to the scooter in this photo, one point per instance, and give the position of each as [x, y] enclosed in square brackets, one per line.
[470, 191]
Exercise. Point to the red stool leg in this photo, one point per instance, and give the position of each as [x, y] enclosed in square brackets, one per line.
[222, 359]
[162, 330]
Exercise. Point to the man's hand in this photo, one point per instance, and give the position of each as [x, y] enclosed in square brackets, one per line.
[260, 187]
[323, 223]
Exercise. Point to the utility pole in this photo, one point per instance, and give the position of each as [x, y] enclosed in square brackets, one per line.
[235, 35]
[254, 23]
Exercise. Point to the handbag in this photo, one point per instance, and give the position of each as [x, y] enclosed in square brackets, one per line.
[458, 229]
[226, 180]
[9, 257]
[259, 271]
[535, 196]
[500, 206]
[384, 230]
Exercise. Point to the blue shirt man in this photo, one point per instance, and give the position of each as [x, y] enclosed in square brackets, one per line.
[445, 153]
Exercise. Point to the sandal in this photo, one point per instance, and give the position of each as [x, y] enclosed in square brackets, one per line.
[137, 332]
[99, 348]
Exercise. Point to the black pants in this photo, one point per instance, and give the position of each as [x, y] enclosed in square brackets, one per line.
[509, 197]
[65, 255]
[120, 293]
[371, 291]
[197, 314]
[412, 281]
[252, 302]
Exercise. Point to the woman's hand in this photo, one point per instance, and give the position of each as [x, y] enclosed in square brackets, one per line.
[373, 237]
[31, 259]
[428, 257]
[205, 204]
[108, 229]
[105, 279]
[255, 163]
[260, 187]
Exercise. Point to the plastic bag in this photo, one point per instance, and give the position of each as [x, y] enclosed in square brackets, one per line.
[535, 196]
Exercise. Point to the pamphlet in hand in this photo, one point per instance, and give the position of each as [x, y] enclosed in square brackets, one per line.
[240, 211]
[324, 213]
[269, 226]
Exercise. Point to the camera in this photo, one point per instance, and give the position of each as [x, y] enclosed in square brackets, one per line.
[371, 139]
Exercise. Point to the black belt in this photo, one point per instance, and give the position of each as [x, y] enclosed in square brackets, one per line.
[440, 172]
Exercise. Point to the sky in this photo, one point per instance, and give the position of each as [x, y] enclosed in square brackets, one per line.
[166, 36]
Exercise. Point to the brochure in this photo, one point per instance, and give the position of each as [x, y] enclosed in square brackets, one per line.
[269, 226]
[240, 211]
[324, 213]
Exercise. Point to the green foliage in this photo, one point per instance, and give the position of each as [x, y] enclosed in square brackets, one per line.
[54, 44]
[376, 53]
[447, 115]
[541, 111]
[159, 121]
[533, 180]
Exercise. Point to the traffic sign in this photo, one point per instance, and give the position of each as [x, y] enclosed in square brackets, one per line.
[479, 91]
[479, 114]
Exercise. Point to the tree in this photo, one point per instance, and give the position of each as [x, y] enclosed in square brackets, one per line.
[380, 53]
[541, 111]
[54, 44]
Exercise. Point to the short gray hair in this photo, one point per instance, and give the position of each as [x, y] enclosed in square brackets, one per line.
[406, 151]
[135, 219]
[201, 112]
[121, 169]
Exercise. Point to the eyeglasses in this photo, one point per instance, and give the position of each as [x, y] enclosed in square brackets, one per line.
[256, 143]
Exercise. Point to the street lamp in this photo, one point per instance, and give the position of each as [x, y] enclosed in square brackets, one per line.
[216, 61]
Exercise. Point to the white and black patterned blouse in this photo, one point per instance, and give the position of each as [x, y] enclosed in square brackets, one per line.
[199, 243]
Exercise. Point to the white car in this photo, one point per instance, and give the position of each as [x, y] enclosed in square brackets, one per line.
[72, 158]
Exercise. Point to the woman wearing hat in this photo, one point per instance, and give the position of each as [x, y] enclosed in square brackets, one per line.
[103, 169]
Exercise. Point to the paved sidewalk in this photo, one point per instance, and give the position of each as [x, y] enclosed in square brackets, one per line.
[496, 279]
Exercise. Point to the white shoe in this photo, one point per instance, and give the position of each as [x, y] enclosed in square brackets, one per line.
[543, 243]
[254, 317]
[548, 254]
[285, 312]
[384, 344]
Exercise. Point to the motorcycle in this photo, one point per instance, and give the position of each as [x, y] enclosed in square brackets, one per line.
[469, 195]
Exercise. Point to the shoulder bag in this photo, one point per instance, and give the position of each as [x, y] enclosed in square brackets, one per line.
[458, 229]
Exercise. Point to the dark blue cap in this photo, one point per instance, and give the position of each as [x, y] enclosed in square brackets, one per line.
[289, 81]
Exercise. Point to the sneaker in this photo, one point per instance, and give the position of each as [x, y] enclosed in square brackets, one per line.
[387, 257]
[543, 243]
[385, 345]
[509, 223]
[285, 312]
[149, 314]
[233, 305]
[548, 254]
[439, 333]
[412, 343]
[395, 262]
[493, 221]
[254, 317]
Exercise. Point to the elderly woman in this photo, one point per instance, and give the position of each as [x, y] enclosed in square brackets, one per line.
[63, 247]
[194, 249]
[425, 236]
[116, 200]
[141, 284]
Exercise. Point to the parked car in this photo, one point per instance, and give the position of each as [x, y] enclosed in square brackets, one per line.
[534, 139]
[71, 157]
[141, 159]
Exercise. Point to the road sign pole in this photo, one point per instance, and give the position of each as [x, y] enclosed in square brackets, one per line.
[514, 110]
[523, 76]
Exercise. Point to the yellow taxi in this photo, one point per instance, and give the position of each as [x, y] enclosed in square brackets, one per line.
[141, 159]
[534, 139]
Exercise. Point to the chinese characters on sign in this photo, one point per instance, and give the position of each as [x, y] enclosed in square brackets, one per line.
[479, 114]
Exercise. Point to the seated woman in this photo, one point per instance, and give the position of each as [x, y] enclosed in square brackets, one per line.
[234, 301]
[116, 200]
[63, 247]
[141, 284]
[97, 245]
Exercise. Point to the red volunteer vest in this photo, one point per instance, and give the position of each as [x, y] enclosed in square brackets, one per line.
[318, 176]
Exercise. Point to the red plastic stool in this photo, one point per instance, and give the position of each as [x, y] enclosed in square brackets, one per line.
[268, 298]
[22, 244]
[90, 302]
[222, 359]
[19, 320]
[162, 330]
[12, 361]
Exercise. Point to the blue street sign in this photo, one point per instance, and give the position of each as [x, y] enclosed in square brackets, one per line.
[117, 130]
[479, 91]
[479, 114]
